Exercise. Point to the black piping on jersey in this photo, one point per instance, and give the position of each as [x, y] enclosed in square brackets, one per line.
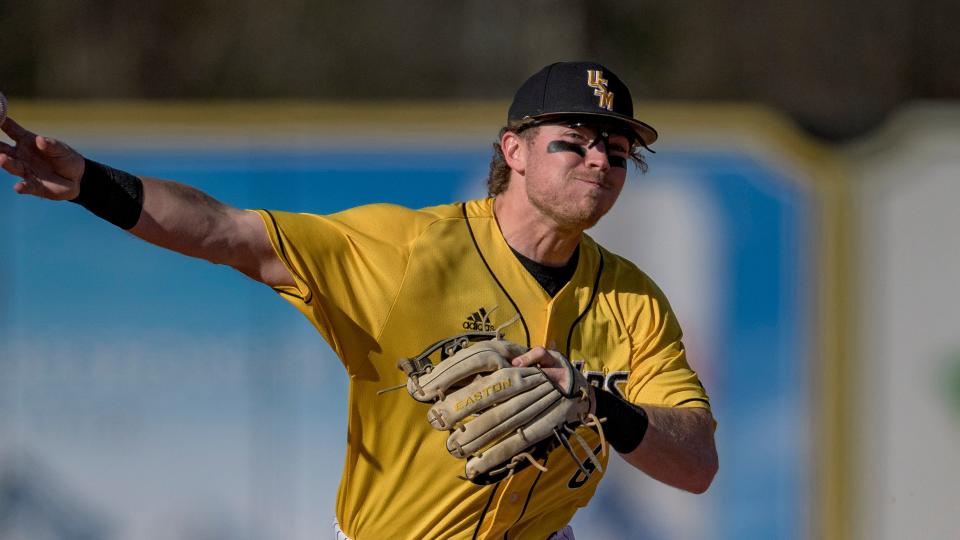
[506, 535]
[596, 286]
[684, 402]
[485, 508]
[593, 296]
[286, 261]
[526, 332]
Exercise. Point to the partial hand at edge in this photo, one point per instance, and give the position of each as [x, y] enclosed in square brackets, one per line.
[48, 168]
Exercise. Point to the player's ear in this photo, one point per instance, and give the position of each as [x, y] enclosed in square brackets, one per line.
[515, 151]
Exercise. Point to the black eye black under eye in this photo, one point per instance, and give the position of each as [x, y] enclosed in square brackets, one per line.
[566, 146]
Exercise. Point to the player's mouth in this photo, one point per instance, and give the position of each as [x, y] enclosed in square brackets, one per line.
[599, 183]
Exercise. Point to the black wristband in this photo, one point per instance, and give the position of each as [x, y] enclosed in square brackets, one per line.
[111, 194]
[625, 424]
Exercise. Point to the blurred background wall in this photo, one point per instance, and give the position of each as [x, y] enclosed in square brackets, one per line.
[798, 213]
[837, 68]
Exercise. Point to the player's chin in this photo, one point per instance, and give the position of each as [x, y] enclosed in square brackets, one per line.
[588, 214]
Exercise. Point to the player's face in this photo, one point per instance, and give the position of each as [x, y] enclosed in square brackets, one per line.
[574, 174]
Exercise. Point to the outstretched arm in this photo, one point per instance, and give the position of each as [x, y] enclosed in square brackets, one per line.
[173, 215]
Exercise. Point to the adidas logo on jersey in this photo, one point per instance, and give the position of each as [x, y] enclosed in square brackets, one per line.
[479, 321]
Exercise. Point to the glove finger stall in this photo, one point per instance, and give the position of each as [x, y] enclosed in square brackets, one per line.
[503, 451]
[483, 393]
[484, 357]
[496, 422]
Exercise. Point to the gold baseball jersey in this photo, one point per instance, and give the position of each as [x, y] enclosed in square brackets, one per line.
[382, 282]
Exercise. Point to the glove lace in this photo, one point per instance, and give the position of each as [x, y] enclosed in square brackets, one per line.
[594, 422]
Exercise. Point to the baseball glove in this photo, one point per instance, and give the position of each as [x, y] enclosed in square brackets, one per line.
[501, 418]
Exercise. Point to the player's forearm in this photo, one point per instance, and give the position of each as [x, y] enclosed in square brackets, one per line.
[678, 448]
[168, 214]
[188, 221]
[180, 218]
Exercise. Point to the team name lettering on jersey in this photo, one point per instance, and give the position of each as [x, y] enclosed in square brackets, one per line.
[612, 383]
[579, 478]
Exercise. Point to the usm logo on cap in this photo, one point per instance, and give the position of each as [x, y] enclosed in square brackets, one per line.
[596, 81]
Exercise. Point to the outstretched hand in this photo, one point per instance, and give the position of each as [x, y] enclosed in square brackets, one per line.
[47, 168]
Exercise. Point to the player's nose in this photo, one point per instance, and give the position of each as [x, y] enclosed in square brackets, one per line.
[597, 157]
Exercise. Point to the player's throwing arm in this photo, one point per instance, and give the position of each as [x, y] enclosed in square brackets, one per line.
[168, 214]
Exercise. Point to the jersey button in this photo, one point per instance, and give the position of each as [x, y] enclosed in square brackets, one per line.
[514, 498]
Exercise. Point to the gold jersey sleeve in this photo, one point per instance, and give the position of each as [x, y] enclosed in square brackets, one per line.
[659, 373]
[348, 268]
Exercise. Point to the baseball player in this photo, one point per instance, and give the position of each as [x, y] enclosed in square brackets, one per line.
[383, 282]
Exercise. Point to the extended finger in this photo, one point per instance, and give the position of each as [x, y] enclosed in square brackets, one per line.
[28, 184]
[17, 132]
[31, 185]
[12, 165]
[535, 356]
[52, 147]
[25, 188]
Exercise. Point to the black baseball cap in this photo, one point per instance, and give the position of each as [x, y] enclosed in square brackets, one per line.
[577, 89]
